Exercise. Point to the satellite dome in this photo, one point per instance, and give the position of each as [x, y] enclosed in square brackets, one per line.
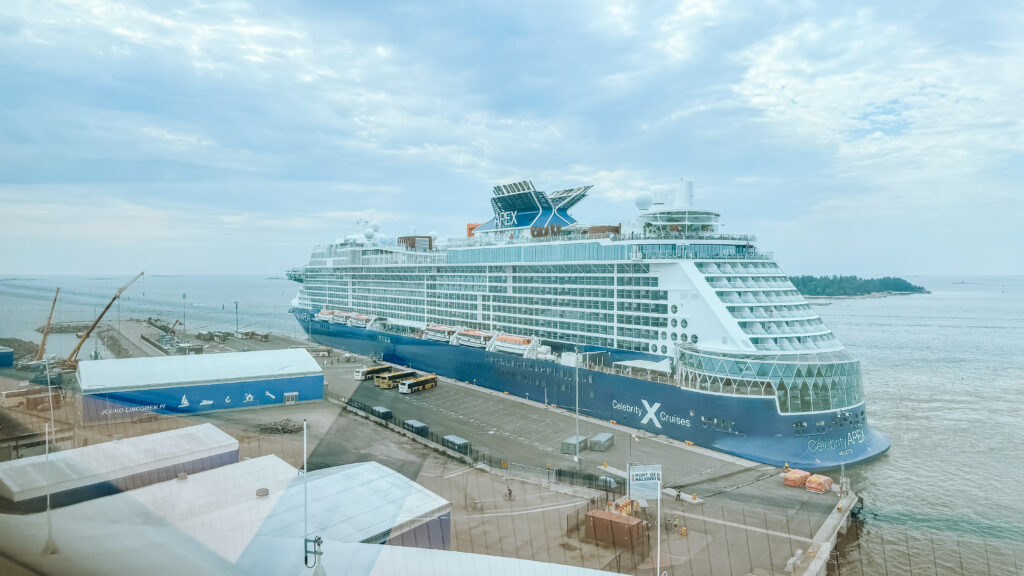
[643, 201]
[433, 234]
[375, 226]
[368, 233]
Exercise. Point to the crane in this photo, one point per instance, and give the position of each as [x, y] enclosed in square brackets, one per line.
[72, 360]
[171, 331]
[46, 329]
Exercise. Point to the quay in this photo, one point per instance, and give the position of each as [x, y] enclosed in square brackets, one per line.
[744, 521]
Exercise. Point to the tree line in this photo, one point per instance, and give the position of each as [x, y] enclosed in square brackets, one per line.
[836, 285]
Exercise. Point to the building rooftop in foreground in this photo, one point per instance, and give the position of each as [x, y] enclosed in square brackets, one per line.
[162, 371]
[25, 478]
[214, 522]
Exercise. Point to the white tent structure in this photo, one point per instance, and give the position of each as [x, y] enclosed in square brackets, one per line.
[101, 469]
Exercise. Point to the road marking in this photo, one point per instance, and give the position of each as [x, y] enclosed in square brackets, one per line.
[744, 526]
[462, 471]
[529, 510]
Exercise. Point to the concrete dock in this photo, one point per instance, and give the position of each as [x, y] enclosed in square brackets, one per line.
[746, 521]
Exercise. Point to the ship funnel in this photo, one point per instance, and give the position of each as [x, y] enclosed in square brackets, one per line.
[685, 198]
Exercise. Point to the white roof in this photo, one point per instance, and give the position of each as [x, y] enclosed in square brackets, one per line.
[662, 366]
[162, 371]
[26, 477]
[219, 507]
[213, 522]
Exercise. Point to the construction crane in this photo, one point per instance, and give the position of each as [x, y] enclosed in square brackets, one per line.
[46, 329]
[171, 331]
[72, 360]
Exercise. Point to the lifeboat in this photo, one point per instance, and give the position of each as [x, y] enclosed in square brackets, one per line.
[359, 320]
[438, 332]
[473, 338]
[512, 344]
[340, 318]
[324, 316]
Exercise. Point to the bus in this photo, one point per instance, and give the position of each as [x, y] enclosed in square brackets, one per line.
[417, 384]
[391, 379]
[365, 373]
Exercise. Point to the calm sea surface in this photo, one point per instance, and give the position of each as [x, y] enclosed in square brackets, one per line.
[943, 374]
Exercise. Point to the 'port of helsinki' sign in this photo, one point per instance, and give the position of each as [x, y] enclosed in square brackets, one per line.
[645, 481]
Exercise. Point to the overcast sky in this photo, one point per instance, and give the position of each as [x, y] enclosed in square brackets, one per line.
[230, 137]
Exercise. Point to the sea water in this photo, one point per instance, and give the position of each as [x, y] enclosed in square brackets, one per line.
[943, 376]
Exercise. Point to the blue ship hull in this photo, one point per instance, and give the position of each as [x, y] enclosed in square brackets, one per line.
[750, 427]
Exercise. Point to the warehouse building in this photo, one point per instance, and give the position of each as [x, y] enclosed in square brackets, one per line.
[82, 474]
[133, 388]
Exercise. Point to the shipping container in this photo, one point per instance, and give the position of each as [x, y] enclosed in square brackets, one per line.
[416, 427]
[382, 412]
[573, 444]
[601, 442]
[460, 445]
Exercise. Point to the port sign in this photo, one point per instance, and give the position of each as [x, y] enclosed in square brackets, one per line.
[645, 481]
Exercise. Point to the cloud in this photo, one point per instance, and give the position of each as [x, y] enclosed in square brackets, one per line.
[892, 105]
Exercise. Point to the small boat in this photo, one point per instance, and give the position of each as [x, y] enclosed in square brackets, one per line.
[512, 343]
[340, 318]
[360, 320]
[473, 338]
[438, 332]
[324, 315]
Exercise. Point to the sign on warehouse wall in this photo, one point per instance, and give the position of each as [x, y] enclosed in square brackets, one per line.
[645, 481]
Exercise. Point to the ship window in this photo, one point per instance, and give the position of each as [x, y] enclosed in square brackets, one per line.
[675, 322]
[664, 336]
[682, 323]
[675, 336]
[664, 349]
[675, 309]
[683, 336]
[693, 338]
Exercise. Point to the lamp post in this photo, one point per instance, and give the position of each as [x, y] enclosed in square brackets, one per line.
[236, 316]
[183, 330]
[577, 408]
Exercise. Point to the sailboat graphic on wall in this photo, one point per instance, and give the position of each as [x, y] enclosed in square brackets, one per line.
[184, 402]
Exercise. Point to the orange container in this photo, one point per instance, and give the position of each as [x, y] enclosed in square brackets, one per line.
[819, 483]
[796, 478]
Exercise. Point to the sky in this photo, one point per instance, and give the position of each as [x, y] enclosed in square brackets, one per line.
[231, 137]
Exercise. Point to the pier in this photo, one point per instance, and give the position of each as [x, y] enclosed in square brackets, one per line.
[721, 514]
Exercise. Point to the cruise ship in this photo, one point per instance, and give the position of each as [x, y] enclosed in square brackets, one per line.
[664, 323]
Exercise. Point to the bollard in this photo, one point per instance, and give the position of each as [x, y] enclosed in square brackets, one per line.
[605, 464]
[682, 531]
[694, 496]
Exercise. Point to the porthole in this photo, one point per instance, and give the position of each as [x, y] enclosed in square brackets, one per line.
[664, 349]
[693, 338]
[675, 323]
[664, 335]
[675, 309]
[675, 336]
[683, 336]
[682, 323]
